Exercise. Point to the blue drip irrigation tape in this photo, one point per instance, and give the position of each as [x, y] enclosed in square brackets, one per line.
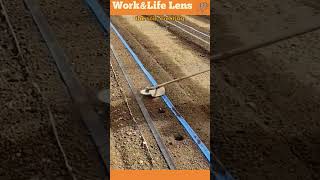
[220, 174]
[99, 13]
[167, 101]
[105, 23]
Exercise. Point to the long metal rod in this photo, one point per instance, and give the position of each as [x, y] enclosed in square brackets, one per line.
[145, 113]
[248, 48]
[176, 80]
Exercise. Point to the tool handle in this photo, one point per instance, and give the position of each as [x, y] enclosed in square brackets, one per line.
[179, 79]
[276, 39]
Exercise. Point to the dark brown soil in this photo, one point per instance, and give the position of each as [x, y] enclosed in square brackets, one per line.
[266, 102]
[28, 149]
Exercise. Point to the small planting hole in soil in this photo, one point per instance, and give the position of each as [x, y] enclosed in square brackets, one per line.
[178, 137]
[161, 110]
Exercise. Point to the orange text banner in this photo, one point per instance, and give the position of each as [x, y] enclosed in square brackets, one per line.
[160, 174]
[166, 7]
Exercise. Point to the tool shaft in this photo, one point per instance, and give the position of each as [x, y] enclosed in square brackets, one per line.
[245, 49]
[179, 79]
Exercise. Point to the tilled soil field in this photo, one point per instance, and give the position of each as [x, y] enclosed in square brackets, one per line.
[266, 102]
[166, 56]
[188, 29]
[28, 148]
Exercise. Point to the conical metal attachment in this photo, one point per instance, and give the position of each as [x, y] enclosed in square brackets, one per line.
[157, 92]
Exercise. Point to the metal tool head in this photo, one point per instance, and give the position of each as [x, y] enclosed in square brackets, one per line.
[153, 92]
